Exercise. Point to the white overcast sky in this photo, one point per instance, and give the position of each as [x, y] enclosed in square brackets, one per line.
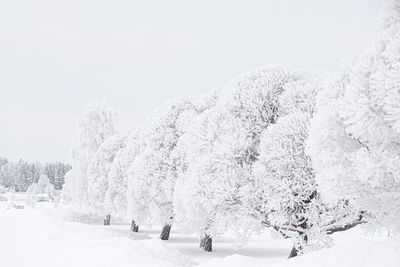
[56, 56]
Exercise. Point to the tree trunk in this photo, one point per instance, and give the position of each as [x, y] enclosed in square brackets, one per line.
[202, 241]
[165, 232]
[297, 251]
[134, 227]
[107, 219]
[293, 253]
[304, 225]
[206, 243]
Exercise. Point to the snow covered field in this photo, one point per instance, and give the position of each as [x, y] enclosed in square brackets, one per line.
[45, 237]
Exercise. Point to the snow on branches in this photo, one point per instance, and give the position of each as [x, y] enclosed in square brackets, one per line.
[98, 172]
[221, 147]
[305, 154]
[154, 171]
[116, 202]
[96, 125]
[355, 138]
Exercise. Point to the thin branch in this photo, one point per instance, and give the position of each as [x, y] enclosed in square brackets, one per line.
[344, 228]
[278, 228]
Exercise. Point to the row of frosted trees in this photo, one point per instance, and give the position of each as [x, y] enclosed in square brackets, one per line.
[302, 153]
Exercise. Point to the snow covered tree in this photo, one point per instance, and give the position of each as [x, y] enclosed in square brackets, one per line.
[42, 186]
[8, 174]
[222, 148]
[3, 161]
[137, 194]
[31, 195]
[96, 125]
[154, 171]
[56, 173]
[231, 180]
[195, 204]
[355, 134]
[284, 194]
[116, 202]
[3, 192]
[183, 159]
[284, 189]
[19, 175]
[67, 192]
[98, 172]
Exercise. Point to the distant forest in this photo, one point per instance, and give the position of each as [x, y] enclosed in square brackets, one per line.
[20, 175]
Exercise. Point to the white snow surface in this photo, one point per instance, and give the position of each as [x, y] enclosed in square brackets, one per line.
[45, 236]
[33, 238]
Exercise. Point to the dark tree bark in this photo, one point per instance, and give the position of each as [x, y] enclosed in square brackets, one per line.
[206, 243]
[107, 219]
[296, 251]
[303, 226]
[134, 226]
[293, 253]
[202, 239]
[165, 232]
[300, 228]
[346, 227]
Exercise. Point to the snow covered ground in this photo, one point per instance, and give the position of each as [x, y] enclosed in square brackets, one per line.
[41, 237]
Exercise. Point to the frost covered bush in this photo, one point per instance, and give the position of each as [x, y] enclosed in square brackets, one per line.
[355, 134]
